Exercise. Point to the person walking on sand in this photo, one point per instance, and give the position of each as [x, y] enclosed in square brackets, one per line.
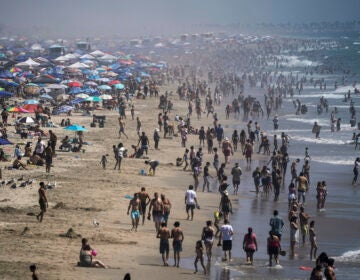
[34, 275]
[191, 202]
[226, 233]
[135, 206]
[164, 235]
[157, 207]
[208, 235]
[122, 128]
[206, 176]
[103, 161]
[178, 238]
[236, 173]
[313, 241]
[250, 245]
[199, 250]
[144, 201]
[43, 202]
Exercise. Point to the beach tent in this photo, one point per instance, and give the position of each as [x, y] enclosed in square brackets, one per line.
[107, 57]
[87, 56]
[78, 65]
[97, 53]
[28, 63]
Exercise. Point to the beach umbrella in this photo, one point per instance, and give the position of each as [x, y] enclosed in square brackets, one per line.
[4, 93]
[25, 120]
[4, 141]
[93, 99]
[76, 90]
[63, 109]
[46, 96]
[32, 108]
[91, 83]
[62, 97]
[31, 85]
[75, 84]
[75, 127]
[119, 86]
[45, 79]
[104, 87]
[17, 110]
[82, 95]
[106, 97]
[30, 101]
[114, 82]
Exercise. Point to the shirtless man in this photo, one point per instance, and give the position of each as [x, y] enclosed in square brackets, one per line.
[178, 238]
[43, 202]
[157, 207]
[304, 223]
[164, 235]
[122, 128]
[135, 206]
[144, 201]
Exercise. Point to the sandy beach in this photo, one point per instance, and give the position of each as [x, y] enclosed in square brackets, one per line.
[85, 192]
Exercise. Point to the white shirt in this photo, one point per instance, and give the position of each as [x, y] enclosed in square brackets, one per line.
[190, 196]
[226, 232]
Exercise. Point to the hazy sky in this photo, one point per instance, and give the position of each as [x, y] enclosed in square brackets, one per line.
[89, 17]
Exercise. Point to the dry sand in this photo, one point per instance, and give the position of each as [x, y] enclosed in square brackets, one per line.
[85, 192]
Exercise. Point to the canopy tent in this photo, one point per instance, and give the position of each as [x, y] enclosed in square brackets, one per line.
[97, 53]
[78, 65]
[28, 63]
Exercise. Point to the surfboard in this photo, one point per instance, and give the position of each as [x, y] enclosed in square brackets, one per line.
[129, 196]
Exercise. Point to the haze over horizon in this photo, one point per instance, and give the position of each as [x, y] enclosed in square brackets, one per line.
[159, 17]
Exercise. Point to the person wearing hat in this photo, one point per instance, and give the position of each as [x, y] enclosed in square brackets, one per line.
[225, 205]
[236, 173]
[227, 149]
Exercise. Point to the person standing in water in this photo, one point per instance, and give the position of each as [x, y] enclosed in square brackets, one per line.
[316, 129]
[250, 245]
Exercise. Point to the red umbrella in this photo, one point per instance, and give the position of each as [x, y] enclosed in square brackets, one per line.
[32, 108]
[75, 84]
[114, 82]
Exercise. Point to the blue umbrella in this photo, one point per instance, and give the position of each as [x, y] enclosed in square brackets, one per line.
[104, 87]
[76, 90]
[4, 93]
[31, 101]
[46, 96]
[75, 127]
[63, 109]
[119, 86]
[4, 141]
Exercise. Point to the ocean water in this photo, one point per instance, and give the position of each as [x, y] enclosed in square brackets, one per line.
[332, 159]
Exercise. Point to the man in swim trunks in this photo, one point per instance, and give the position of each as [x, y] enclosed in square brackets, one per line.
[164, 235]
[178, 238]
[226, 233]
[43, 202]
[190, 202]
[144, 201]
[157, 207]
[134, 204]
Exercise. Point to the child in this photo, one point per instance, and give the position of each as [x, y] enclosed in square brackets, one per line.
[33, 270]
[103, 161]
[199, 250]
